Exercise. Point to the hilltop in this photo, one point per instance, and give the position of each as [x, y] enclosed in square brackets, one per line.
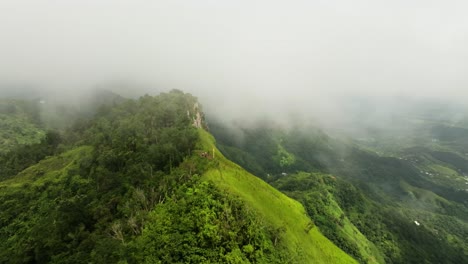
[140, 183]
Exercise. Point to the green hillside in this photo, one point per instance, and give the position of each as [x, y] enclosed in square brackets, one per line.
[319, 194]
[39, 205]
[19, 124]
[300, 234]
[138, 183]
[366, 196]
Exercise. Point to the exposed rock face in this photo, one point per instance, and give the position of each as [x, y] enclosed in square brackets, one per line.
[197, 119]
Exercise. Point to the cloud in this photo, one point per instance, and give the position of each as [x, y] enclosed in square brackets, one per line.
[242, 56]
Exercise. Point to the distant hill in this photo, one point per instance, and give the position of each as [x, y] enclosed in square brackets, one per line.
[376, 186]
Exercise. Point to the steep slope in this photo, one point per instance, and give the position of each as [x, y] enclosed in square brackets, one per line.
[300, 235]
[382, 193]
[23, 139]
[140, 183]
[40, 204]
[320, 195]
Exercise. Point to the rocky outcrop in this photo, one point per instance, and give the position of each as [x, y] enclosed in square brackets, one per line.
[197, 118]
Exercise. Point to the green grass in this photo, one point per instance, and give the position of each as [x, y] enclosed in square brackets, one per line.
[366, 248]
[316, 190]
[49, 169]
[276, 209]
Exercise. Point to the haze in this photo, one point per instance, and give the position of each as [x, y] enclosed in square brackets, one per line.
[242, 57]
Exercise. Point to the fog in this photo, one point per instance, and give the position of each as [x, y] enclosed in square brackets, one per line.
[243, 58]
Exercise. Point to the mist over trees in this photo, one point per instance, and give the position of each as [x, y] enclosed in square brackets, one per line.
[309, 131]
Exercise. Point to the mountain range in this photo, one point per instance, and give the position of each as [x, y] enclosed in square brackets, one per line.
[158, 180]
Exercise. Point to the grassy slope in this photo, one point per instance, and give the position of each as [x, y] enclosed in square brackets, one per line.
[366, 248]
[276, 208]
[21, 202]
[50, 169]
[348, 230]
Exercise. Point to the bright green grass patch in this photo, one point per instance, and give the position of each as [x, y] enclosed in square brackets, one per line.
[50, 169]
[367, 249]
[316, 192]
[307, 245]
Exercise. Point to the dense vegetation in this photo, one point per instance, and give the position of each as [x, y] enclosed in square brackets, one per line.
[30, 130]
[215, 228]
[135, 184]
[138, 181]
[377, 192]
[81, 195]
[294, 230]
[23, 156]
[19, 124]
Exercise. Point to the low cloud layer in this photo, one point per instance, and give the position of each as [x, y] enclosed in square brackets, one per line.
[242, 57]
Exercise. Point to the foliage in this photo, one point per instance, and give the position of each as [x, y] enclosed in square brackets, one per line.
[24, 156]
[304, 242]
[123, 187]
[284, 158]
[79, 206]
[379, 196]
[215, 228]
[19, 124]
[44, 210]
[317, 193]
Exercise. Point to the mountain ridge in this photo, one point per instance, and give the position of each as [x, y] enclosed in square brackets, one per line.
[102, 195]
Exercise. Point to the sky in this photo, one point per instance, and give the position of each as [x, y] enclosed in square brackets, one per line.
[241, 56]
